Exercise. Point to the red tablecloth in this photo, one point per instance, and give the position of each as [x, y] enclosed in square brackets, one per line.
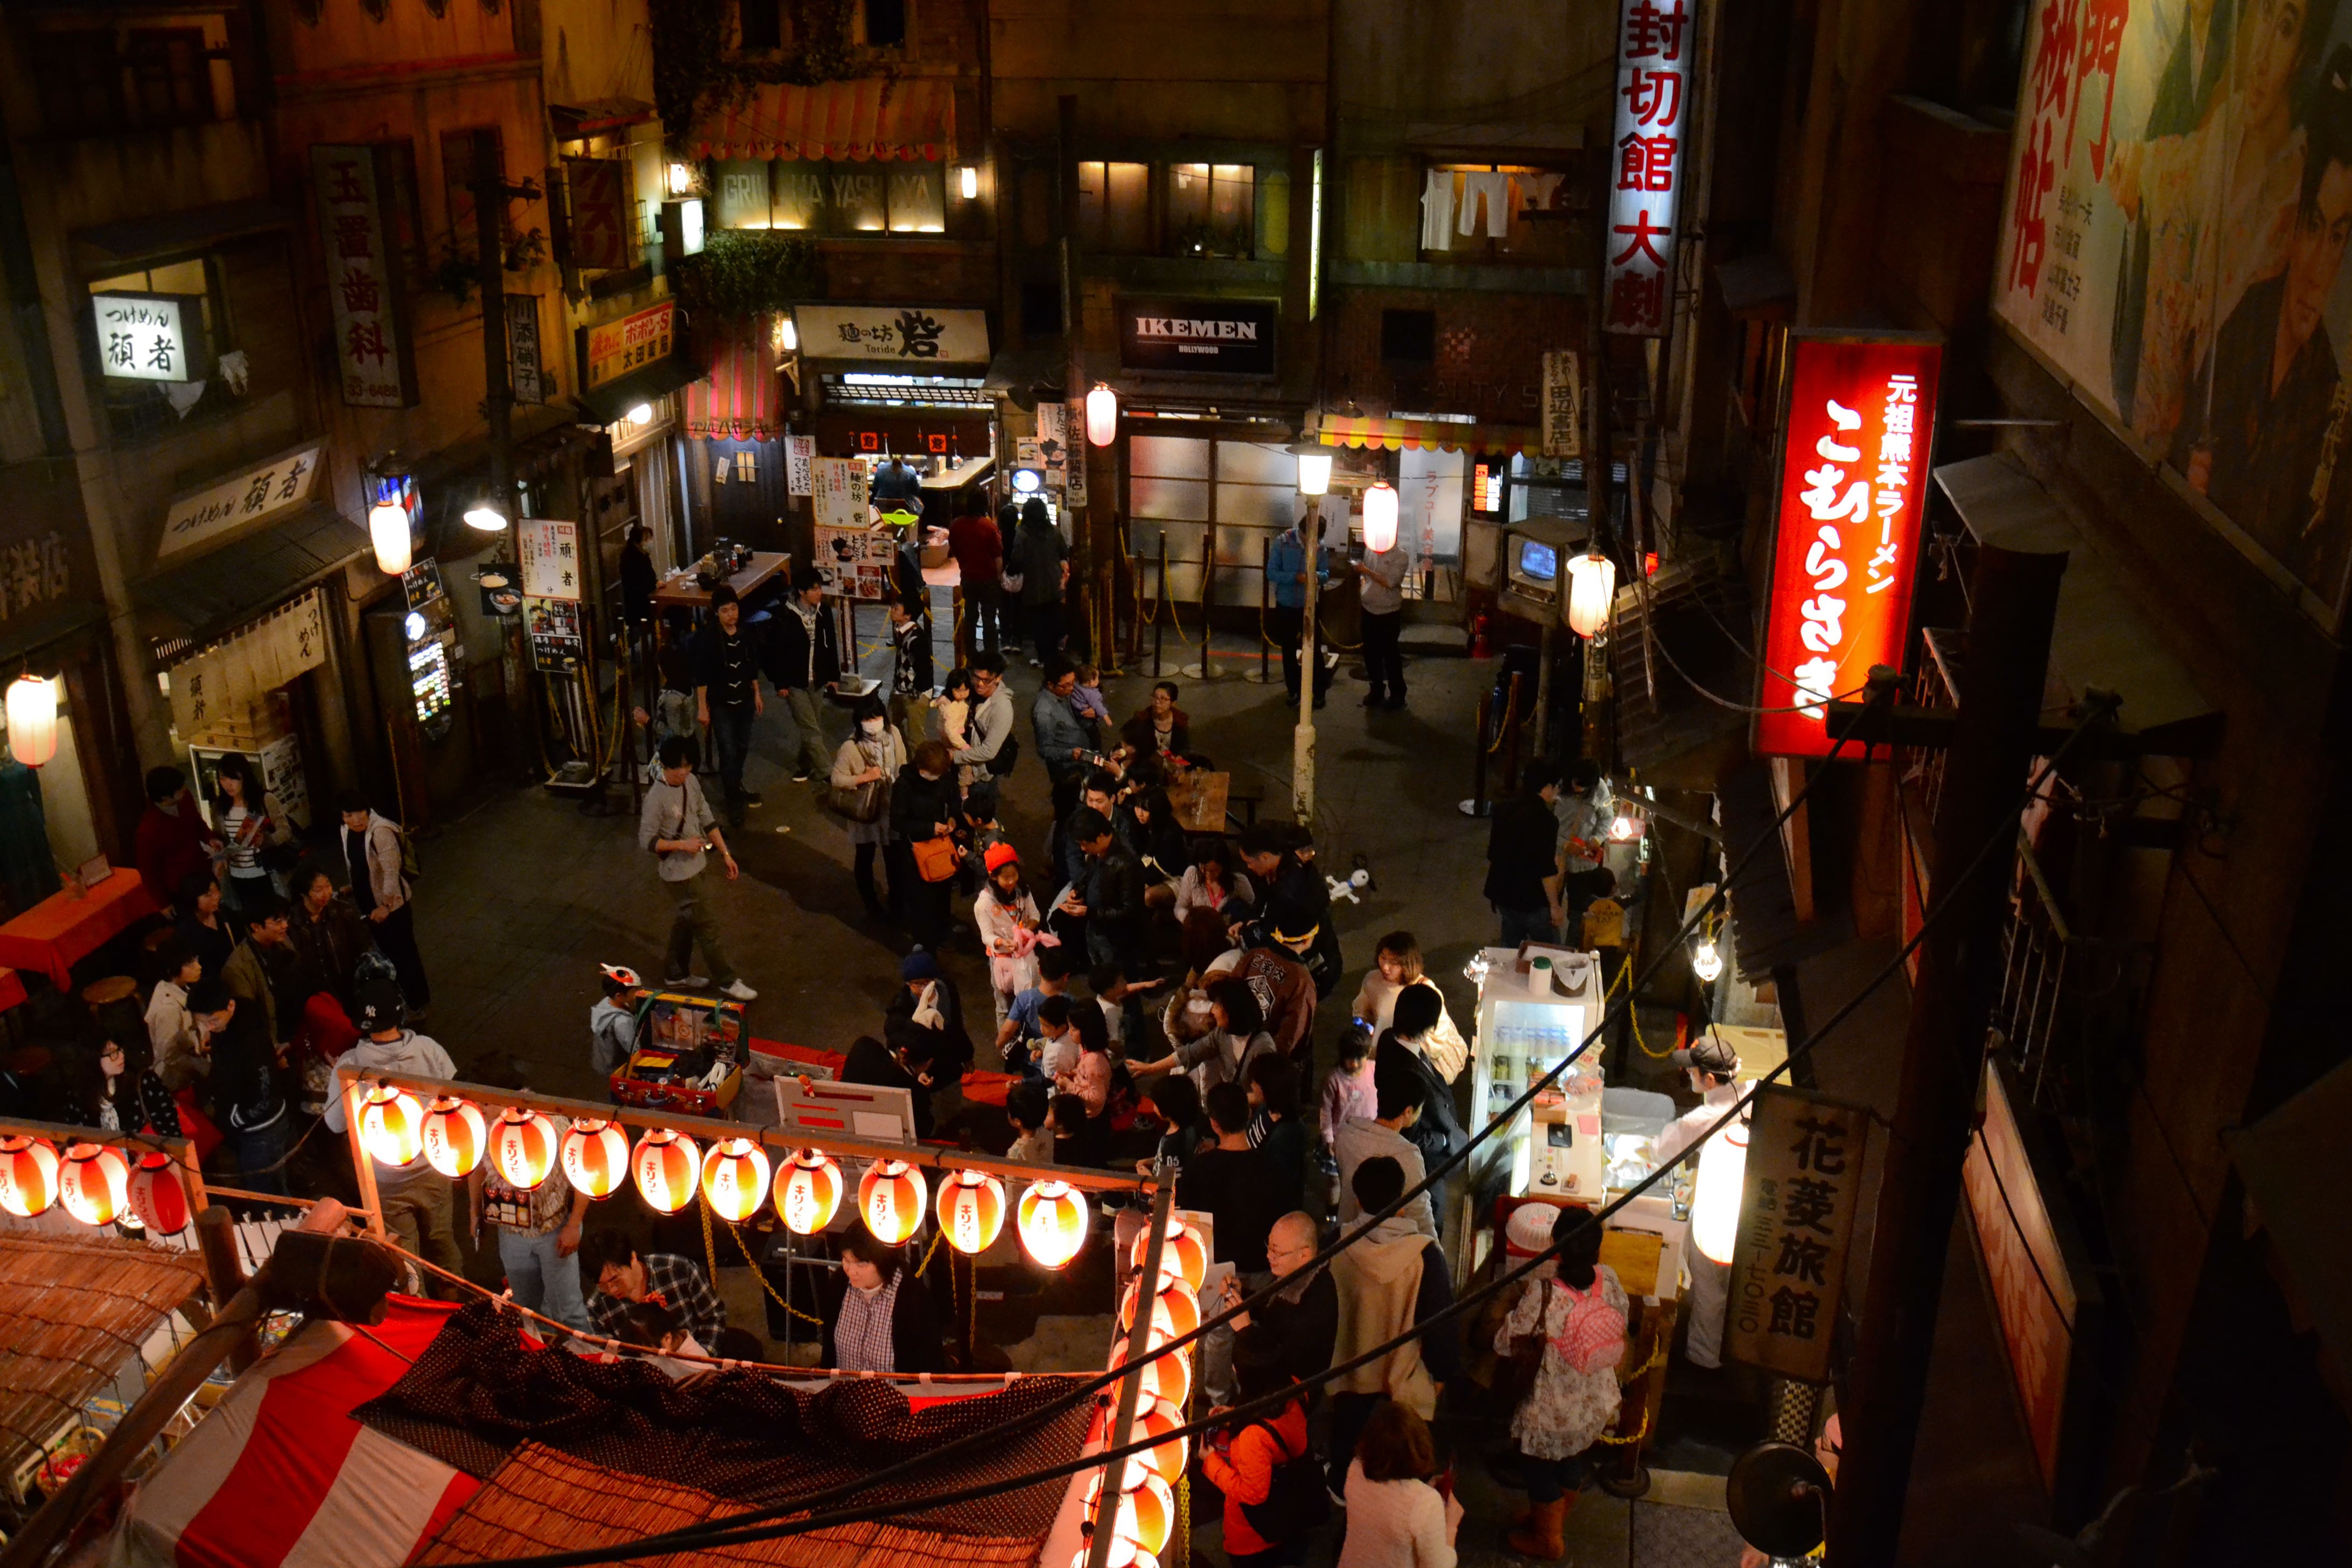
[60, 931]
[984, 1087]
[12, 989]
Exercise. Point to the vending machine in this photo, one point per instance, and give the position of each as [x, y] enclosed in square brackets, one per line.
[1534, 1007]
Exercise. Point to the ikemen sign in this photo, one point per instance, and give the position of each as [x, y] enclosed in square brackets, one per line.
[1227, 337]
[1861, 423]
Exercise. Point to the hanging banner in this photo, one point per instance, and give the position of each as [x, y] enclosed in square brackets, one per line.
[612, 350]
[856, 563]
[604, 209]
[524, 371]
[838, 488]
[800, 452]
[1563, 405]
[1655, 45]
[216, 688]
[556, 644]
[1796, 1221]
[372, 354]
[1854, 468]
[1054, 439]
[549, 551]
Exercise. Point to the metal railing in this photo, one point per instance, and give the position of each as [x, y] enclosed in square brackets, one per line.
[2037, 944]
[1936, 684]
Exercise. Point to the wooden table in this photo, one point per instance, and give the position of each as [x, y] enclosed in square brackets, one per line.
[1199, 801]
[685, 594]
[60, 931]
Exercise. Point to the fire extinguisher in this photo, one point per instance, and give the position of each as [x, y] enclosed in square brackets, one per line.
[1481, 625]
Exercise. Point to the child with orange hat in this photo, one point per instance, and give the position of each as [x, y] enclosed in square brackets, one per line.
[1005, 915]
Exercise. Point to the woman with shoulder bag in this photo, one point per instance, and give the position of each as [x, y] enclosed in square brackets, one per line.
[1570, 1329]
[864, 770]
[925, 810]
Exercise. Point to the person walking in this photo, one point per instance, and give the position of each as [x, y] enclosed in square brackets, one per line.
[925, 813]
[415, 1198]
[1391, 1281]
[1380, 581]
[379, 892]
[805, 664]
[727, 694]
[538, 1228]
[1041, 561]
[1576, 1320]
[978, 550]
[1286, 564]
[865, 772]
[1522, 882]
[677, 827]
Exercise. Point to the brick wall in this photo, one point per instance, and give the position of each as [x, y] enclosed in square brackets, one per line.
[1489, 359]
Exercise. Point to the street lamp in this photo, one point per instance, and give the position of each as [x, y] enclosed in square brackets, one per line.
[1314, 466]
[485, 515]
[1314, 483]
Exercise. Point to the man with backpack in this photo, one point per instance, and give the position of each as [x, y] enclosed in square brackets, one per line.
[375, 849]
[992, 748]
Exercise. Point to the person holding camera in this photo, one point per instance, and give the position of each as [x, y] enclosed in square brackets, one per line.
[677, 828]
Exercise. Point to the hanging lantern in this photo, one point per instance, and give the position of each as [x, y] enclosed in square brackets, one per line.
[596, 1157]
[808, 1191]
[1124, 1554]
[1707, 961]
[392, 1125]
[1182, 1256]
[94, 1182]
[1102, 415]
[971, 1211]
[28, 1176]
[1380, 519]
[1175, 1307]
[455, 1135]
[1167, 1377]
[1591, 590]
[890, 1198]
[388, 531]
[1145, 1514]
[735, 1179]
[157, 1199]
[1053, 1222]
[1314, 466]
[32, 720]
[665, 1167]
[523, 1146]
[1156, 1418]
[1715, 1204]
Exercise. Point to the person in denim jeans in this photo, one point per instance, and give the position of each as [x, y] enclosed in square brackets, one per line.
[726, 695]
[538, 1230]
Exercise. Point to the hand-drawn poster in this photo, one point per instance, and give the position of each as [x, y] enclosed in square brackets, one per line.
[856, 563]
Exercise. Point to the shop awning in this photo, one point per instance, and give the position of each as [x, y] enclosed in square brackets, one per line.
[1338, 430]
[185, 229]
[598, 116]
[216, 592]
[909, 119]
[610, 404]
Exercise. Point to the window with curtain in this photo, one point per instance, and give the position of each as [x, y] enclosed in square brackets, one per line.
[1211, 209]
[1115, 208]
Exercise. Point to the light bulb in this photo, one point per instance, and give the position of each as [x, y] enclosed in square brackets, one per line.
[485, 516]
[643, 414]
[968, 182]
[1706, 962]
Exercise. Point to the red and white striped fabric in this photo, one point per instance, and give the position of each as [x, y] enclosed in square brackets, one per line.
[904, 118]
[280, 1474]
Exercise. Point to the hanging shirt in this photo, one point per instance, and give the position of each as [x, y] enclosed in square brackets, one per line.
[1437, 211]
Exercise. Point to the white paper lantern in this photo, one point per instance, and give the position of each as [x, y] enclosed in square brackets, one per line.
[1379, 519]
[388, 531]
[1592, 589]
[1715, 1205]
[1102, 415]
[32, 720]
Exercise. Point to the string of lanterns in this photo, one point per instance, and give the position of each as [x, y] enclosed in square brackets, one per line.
[97, 1183]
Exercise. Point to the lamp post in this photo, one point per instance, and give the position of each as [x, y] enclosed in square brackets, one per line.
[1314, 484]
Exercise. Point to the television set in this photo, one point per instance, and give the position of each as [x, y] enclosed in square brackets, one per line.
[1534, 568]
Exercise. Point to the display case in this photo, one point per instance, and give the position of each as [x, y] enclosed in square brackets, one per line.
[1534, 1007]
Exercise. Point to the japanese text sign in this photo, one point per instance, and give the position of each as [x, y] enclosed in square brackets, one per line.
[203, 517]
[371, 349]
[857, 563]
[1563, 403]
[838, 487]
[903, 335]
[1656, 47]
[1796, 1220]
[614, 348]
[152, 337]
[602, 211]
[800, 452]
[549, 553]
[2034, 1289]
[1854, 468]
[525, 372]
[556, 644]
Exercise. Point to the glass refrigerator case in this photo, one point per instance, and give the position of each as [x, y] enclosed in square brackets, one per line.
[1530, 1019]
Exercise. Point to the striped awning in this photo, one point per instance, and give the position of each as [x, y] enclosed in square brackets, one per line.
[740, 399]
[909, 119]
[1337, 430]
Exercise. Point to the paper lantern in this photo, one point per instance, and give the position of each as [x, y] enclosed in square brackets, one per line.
[1145, 1513]
[890, 1198]
[735, 1179]
[596, 1157]
[1591, 590]
[1167, 1377]
[1102, 415]
[523, 1146]
[388, 531]
[971, 1211]
[1175, 1307]
[1380, 519]
[1123, 1554]
[1183, 1256]
[32, 720]
[1156, 1418]
[666, 1167]
[1053, 1222]
[158, 1201]
[28, 1176]
[455, 1135]
[94, 1182]
[808, 1191]
[392, 1125]
[1715, 1205]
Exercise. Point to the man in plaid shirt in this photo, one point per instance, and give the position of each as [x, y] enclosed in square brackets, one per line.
[624, 1279]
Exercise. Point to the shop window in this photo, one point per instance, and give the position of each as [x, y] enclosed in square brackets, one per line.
[1115, 208]
[799, 196]
[137, 408]
[882, 24]
[1409, 337]
[919, 198]
[1495, 212]
[856, 198]
[740, 196]
[170, 79]
[80, 82]
[760, 24]
[1211, 209]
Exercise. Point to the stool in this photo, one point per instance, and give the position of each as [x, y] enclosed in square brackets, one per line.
[106, 992]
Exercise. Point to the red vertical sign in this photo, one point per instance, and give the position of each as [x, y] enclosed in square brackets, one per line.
[1853, 472]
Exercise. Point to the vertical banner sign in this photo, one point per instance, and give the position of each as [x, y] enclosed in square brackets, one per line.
[1653, 81]
[800, 452]
[550, 554]
[1796, 1220]
[1862, 418]
[524, 368]
[2033, 1290]
[372, 351]
[602, 210]
[838, 485]
[1054, 426]
[1563, 405]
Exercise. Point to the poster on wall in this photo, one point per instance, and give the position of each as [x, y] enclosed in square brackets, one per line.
[800, 453]
[2172, 241]
[1054, 440]
[556, 644]
[549, 551]
[856, 563]
[1800, 1198]
[838, 485]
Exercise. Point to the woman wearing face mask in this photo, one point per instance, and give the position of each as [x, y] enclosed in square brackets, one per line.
[1006, 916]
[880, 1318]
[863, 771]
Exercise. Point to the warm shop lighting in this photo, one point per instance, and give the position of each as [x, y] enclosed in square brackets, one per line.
[28, 1176]
[485, 516]
[596, 1157]
[1707, 961]
[1053, 1222]
[32, 720]
[1182, 1255]
[1145, 1513]
[1102, 415]
[1380, 518]
[392, 1125]
[1715, 1205]
[1314, 466]
[666, 1166]
[1592, 589]
[455, 1136]
[158, 1201]
[735, 1179]
[968, 182]
[971, 1211]
[94, 1182]
[642, 415]
[388, 531]
[890, 1198]
[523, 1147]
[808, 1191]
[788, 335]
[681, 179]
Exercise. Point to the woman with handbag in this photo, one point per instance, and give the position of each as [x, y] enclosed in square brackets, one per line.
[925, 810]
[1561, 1346]
[1006, 916]
[863, 772]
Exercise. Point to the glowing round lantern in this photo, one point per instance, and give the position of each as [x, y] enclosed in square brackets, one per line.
[1124, 1554]
[1145, 1514]
[455, 1135]
[1167, 1377]
[808, 1191]
[1592, 589]
[388, 531]
[1380, 518]
[735, 1179]
[392, 1125]
[1183, 1256]
[666, 1166]
[596, 1157]
[1053, 1222]
[158, 1201]
[1175, 1308]
[1715, 1203]
[1156, 1418]
[523, 1146]
[890, 1197]
[1102, 415]
[971, 1211]
[32, 720]
[28, 1176]
[94, 1182]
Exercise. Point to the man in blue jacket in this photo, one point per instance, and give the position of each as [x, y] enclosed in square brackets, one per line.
[1067, 744]
[1286, 564]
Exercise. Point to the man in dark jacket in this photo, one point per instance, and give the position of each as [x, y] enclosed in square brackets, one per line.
[1437, 1131]
[172, 839]
[804, 663]
[727, 694]
[1110, 894]
[1522, 879]
[1299, 1325]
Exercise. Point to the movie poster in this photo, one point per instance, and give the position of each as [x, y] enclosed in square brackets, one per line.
[2179, 199]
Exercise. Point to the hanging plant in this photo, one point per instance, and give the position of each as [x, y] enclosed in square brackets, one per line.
[696, 70]
[744, 271]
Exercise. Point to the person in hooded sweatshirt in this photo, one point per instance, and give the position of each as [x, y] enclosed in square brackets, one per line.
[1390, 1281]
[415, 1198]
